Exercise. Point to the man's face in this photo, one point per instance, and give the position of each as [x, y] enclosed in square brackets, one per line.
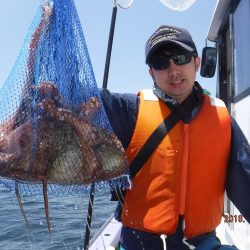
[175, 80]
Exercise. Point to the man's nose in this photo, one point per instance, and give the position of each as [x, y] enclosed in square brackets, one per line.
[173, 68]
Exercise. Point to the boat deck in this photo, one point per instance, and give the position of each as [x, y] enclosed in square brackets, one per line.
[108, 236]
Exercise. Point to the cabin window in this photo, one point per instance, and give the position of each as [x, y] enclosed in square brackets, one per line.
[241, 21]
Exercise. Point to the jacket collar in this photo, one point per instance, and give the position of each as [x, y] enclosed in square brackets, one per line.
[189, 107]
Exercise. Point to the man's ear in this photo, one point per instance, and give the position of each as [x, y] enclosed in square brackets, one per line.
[197, 63]
[151, 73]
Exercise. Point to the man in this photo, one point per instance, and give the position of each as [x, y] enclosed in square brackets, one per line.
[176, 201]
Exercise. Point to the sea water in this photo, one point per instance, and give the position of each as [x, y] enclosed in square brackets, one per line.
[67, 218]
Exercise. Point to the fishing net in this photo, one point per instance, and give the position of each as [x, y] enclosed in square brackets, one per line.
[178, 5]
[124, 4]
[53, 127]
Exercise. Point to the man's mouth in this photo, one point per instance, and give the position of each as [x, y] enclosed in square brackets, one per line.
[177, 82]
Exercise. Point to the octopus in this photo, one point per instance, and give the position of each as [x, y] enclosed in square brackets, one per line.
[60, 147]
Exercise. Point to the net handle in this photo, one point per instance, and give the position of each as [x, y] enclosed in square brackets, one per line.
[104, 86]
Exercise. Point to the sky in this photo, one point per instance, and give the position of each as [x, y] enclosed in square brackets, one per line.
[128, 71]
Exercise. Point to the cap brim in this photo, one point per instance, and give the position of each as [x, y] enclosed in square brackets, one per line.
[160, 44]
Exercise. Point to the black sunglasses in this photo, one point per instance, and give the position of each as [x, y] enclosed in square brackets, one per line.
[162, 61]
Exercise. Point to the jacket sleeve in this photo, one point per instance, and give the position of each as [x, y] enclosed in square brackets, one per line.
[238, 176]
[121, 110]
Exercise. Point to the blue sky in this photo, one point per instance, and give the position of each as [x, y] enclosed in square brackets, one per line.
[128, 72]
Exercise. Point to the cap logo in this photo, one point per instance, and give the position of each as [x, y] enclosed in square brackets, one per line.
[170, 33]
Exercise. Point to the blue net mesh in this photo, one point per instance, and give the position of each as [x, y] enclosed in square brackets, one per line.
[53, 127]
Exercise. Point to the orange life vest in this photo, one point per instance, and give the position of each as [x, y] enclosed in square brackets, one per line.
[186, 173]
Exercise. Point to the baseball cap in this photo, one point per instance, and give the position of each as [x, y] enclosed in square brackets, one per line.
[169, 35]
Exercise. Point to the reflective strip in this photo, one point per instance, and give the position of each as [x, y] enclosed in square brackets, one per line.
[216, 102]
[149, 95]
